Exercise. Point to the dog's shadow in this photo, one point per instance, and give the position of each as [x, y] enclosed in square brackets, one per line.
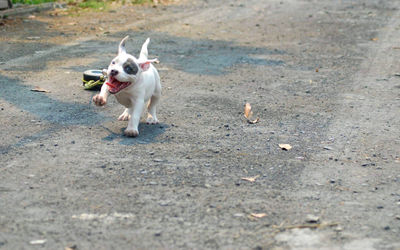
[147, 134]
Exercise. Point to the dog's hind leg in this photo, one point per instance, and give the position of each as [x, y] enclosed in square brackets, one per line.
[152, 108]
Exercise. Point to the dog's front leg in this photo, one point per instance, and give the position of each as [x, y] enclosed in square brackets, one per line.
[126, 115]
[101, 98]
[132, 129]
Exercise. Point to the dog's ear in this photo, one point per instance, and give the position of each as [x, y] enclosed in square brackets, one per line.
[121, 48]
[145, 65]
[143, 52]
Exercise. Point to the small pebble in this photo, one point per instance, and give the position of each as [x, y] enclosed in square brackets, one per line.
[33, 38]
[37, 242]
[338, 229]
[163, 203]
[312, 218]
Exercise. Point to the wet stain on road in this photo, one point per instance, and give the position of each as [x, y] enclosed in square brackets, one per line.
[205, 56]
[46, 108]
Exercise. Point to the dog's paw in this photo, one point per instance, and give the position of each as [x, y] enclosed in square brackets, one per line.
[124, 117]
[99, 100]
[131, 132]
[151, 120]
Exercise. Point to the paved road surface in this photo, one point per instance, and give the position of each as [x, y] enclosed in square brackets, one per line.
[320, 75]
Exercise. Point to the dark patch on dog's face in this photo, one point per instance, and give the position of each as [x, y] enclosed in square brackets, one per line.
[130, 67]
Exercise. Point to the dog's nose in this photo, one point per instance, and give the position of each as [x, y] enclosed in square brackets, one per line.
[114, 72]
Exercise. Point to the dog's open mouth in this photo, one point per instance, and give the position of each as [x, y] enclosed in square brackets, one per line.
[116, 86]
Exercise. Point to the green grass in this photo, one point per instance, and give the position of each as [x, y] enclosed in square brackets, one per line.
[141, 1]
[92, 4]
[84, 4]
[32, 1]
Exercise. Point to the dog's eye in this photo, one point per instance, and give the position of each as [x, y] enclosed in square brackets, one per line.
[130, 70]
[113, 62]
[130, 67]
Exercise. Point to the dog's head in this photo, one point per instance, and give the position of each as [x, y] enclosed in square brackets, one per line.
[125, 69]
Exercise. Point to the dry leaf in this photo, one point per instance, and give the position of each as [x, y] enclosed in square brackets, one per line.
[251, 179]
[286, 147]
[260, 215]
[71, 247]
[247, 111]
[374, 39]
[39, 89]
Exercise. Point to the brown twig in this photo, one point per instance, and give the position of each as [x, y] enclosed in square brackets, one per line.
[309, 225]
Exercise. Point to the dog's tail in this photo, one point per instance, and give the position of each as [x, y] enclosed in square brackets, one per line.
[144, 53]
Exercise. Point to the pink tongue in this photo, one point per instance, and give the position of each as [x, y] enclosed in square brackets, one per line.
[111, 85]
[116, 86]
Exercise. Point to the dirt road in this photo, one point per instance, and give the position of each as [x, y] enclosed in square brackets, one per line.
[322, 76]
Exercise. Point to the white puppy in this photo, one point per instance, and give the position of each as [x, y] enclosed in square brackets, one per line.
[133, 82]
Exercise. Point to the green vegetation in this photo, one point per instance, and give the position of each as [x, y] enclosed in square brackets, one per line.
[32, 1]
[141, 1]
[85, 4]
[92, 4]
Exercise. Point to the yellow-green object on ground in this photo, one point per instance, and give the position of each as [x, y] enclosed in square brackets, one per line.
[92, 83]
[93, 79]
